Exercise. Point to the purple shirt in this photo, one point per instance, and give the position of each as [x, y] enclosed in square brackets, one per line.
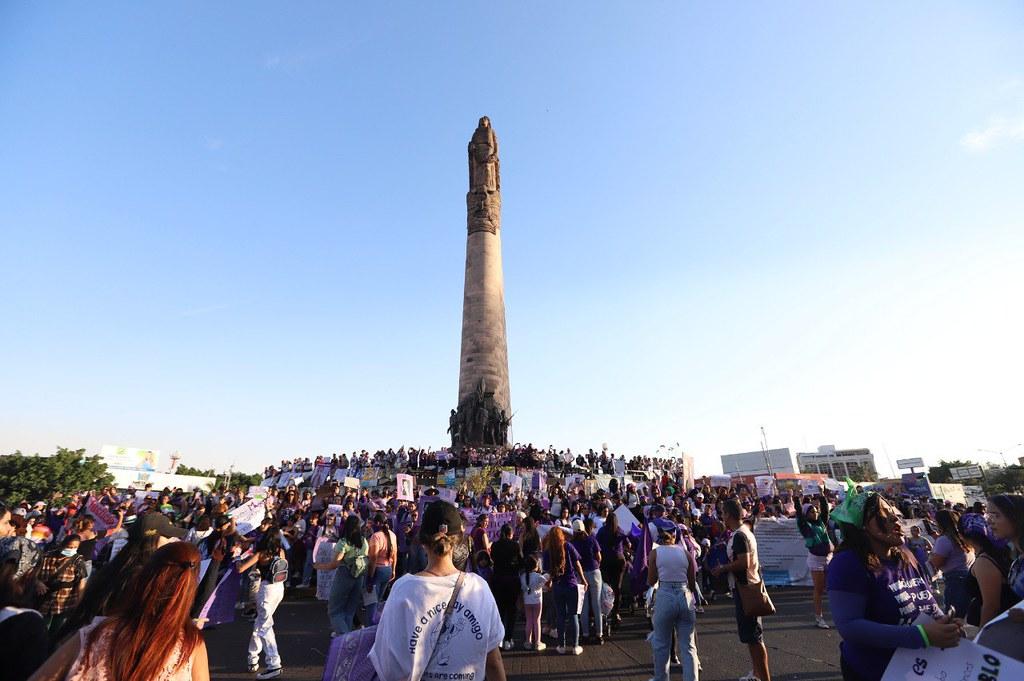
[568, 578]
[588, 549]
[896, 595]
[611, 542]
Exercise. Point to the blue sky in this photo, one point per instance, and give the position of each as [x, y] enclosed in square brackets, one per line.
[238, 231]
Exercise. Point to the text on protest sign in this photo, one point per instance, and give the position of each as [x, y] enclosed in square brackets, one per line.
[248, 516]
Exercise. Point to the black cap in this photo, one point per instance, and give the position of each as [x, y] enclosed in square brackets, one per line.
[155, 524]
[438, 517]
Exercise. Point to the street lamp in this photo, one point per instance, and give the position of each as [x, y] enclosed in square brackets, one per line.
[1001, 453]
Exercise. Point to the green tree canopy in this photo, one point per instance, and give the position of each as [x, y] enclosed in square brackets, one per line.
[37, 478]
[941, 472]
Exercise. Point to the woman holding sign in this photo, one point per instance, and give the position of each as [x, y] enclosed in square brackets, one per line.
[881, 597]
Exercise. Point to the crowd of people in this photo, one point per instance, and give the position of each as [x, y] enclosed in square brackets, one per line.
[560, 560]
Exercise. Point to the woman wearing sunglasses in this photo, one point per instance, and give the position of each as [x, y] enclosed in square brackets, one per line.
[880, 596]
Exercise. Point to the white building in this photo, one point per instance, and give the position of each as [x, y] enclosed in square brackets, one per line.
[758, 463]
[856, 464]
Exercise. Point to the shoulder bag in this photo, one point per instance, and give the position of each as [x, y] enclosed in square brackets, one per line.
[349, 655]
[754, 597]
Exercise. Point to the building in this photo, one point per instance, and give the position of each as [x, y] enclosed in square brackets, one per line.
[758, 463]
[839, 464]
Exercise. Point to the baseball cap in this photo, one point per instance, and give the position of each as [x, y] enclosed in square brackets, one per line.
[577, 526]
[155, 524]
[438, 517]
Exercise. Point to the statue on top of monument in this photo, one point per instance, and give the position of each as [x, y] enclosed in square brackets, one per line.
[484, 173]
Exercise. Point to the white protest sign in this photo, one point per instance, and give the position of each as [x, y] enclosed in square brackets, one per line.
[405, 486]
[248, 516]
[603, 481]
[968, 660]
[258, 492]
[619, 465]
[765, 485]
[721, 481]
[447, 494]
[811, 487]
[626, 519]
[351, 483]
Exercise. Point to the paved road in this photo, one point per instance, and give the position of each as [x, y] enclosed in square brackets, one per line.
[797, 650]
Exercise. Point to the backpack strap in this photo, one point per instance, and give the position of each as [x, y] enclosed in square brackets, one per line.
[444, 620]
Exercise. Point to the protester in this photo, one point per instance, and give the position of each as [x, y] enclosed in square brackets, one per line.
[672, 571]
[988, 590]
[590, 560]
[533, 583]
[1006, 517]
[614, 546]
[59, 583]
[150, 637]
[507, 559]
[954, 556]
[268, 560]
[743, 568]
[24, 640]
[147, 534]
[463, 647]
[878, 591]
[349, 565]
[382, 554]
[562, 562]
[813, 525]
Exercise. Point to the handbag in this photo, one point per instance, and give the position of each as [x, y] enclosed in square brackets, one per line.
[754, 598]
[349, 656]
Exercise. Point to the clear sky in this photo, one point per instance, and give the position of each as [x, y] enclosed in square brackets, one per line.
[237, 230]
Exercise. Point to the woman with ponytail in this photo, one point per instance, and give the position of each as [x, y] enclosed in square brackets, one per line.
[419, 635]
[954, 556]
[150, 637]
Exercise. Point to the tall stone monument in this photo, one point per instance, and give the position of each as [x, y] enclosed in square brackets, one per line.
[484, 408]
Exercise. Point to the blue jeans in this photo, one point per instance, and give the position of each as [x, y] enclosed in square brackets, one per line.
[381, 577]
[674, 609]
[955, 594]
[566, 602]
[592, 603]
[307, 569]
[344, 599]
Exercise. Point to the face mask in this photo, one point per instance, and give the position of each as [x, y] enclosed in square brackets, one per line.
[68, 552]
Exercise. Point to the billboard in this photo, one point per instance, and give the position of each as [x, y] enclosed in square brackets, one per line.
[965, 472]
[131, 458]
[757, 463]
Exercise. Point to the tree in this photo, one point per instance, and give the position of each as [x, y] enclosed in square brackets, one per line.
[237, 479]
[37, 478]
[941, 472]
[1004, 480]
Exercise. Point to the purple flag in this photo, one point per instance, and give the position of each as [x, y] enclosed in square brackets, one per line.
[220, 608]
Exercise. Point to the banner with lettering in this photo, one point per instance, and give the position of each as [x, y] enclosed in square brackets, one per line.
[782, 552]
[968, 660]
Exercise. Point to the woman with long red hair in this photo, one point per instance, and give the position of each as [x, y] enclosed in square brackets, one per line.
[149, 638]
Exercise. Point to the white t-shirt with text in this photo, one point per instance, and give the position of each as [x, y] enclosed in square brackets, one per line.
[411, 623]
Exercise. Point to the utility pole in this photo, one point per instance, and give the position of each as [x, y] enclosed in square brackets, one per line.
[764, 451]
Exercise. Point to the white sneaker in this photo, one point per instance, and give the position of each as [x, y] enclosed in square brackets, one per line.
[561, 650]
[749, 677]
[578, 650]
[821, 623]
[506, 645]
[540, 646]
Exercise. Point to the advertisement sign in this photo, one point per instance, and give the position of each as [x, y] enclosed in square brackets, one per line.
[916, 485]
[916, 462]
[965, 472]
[130, 457]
